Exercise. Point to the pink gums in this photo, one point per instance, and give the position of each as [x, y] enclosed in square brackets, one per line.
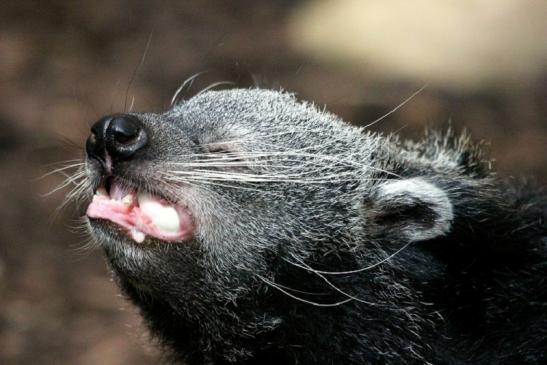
[127, 214]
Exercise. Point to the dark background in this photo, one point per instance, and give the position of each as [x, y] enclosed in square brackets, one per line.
[65, 64]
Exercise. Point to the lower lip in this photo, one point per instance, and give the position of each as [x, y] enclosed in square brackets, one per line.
[110, 227]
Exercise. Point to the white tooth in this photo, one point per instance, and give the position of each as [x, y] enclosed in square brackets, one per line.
[165, 218]
[138, 236]
[128, 200]
[101, 192]
[144, 198]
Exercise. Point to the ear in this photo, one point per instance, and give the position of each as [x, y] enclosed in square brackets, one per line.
[412, 209]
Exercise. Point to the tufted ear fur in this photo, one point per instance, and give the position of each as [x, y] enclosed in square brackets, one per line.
[410, 209]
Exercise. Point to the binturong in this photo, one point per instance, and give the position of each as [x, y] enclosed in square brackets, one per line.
[251, 228]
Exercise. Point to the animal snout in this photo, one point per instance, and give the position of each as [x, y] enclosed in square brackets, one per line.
[117, 136]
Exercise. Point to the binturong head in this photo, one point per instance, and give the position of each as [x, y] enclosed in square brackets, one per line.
[224, 218]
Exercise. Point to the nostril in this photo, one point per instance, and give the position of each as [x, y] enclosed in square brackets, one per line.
[124, 130]
[124, 136]
[94, 145]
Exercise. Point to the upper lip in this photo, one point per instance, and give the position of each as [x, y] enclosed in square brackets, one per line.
[102, 178]
[107, 180]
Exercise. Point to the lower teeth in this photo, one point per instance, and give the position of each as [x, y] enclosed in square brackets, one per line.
[138, 236]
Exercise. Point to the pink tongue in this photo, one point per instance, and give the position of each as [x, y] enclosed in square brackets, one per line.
[126, 213]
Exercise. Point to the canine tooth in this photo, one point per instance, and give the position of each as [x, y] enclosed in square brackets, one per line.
[101, 192]
[138, 236]
[144, 199]
[165, 218]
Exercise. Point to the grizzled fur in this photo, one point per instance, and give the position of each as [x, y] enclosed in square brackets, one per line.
[321, 243]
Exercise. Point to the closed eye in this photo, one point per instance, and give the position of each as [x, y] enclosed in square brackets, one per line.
[223, 156]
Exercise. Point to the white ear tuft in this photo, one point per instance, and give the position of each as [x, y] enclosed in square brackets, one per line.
[415, 208]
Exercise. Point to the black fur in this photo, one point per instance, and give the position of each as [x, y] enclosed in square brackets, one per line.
[473, 294]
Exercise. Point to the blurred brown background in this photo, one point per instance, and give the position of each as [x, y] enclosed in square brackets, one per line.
[64, 64]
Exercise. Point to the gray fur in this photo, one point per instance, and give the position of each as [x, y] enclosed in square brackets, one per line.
[289, 199]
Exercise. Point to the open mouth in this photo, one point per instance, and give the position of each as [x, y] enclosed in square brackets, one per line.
[142, 214]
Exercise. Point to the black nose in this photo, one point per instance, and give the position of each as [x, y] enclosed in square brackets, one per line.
[119, 136]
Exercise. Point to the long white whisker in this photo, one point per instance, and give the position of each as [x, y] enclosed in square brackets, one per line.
[347, 161]
[136, 71]
[274, 285]
[68, 181]
[214, 183]
[189, 81]
[370, 267]
[55, 171]
[266, 178]
[62, 163]
[308, 268]
[396, 108]
[213, 85]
